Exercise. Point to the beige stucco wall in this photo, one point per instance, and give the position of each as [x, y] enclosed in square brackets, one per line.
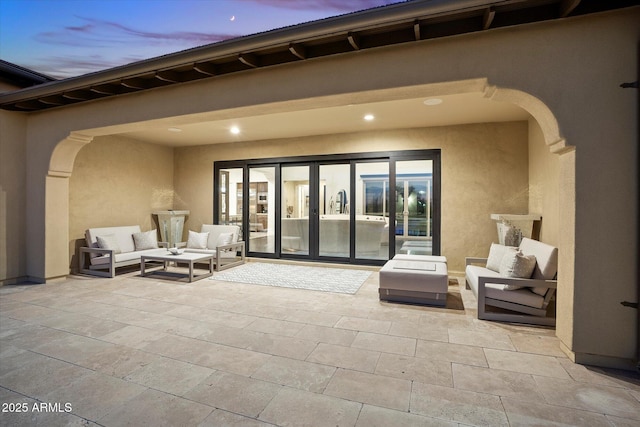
[13, 184]
[573, 67]
[484, 170]
[115, 182]
[544, 175]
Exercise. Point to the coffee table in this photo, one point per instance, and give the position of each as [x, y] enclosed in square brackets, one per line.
[184, 258]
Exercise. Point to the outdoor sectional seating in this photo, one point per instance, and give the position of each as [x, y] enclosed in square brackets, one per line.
[520, 282]
[219, 240]
[112, 247]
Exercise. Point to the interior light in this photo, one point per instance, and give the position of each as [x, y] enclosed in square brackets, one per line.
[433, 101]
[369, 117]
[174, 130]
[235, 130]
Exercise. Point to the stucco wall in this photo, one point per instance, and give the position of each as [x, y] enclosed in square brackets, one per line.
[117, 181]
[12, 196]
[484, 171]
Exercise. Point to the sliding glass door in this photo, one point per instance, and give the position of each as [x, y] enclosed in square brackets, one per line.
[361, 208]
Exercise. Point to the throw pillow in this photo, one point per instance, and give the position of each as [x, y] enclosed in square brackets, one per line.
[517, 265]
[496, 253]
[145, 240]
[109, 241]
[197, 240]
[224, 239]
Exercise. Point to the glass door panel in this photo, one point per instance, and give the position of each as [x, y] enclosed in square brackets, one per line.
[414, 207]
[229, 198]
[294, 227]
[335, 221]
[262, 209]
[372, 210]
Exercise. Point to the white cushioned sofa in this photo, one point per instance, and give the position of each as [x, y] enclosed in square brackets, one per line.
[111, 247]
[219, 240]
[519, 281]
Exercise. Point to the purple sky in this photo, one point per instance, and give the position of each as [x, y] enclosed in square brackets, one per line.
[65, 38]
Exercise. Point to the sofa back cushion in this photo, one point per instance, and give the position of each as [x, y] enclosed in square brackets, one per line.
[215, 230]
[546, 257]
[122, 235]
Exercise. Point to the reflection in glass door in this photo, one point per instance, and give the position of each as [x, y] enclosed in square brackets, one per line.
[294, 227]
[334, 224]
[414, 207]
[261, 209]
[372, 210]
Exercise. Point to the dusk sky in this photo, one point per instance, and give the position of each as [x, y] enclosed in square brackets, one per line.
[65, 38]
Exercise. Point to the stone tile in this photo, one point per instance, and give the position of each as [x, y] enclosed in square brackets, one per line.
[29, 336]
[234, 393]
[456, 353]
[278, 345]
[203, 353]
[486, 339]
[415, 369]
[313, 317]
[593, 397]
[345, 357]
[374, 416]
[81, 324]
[525, 363]
[385, 343]
[298, 408]
[461, 406]
[93, 396]
[73, 348]
[392, 393]
[365, 325]
[497, 382]
[535, 413]
[117, 361]
[589, 374]
[169, 375]
[536, 344]
[295, 373]
[621, 422]
[133, 336]
[219, 418]
[274, 326]
[158, 409]
[231, 336]
[414, 330]
[327, 335]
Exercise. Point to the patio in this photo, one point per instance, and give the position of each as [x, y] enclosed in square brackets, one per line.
[134, 351]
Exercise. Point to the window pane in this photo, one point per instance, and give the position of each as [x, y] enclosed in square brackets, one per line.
[295, 210]
[261, 209]
[334, 210]
[372, 213]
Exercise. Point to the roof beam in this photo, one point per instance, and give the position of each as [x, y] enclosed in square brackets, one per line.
[298, 50]
[135, 83]
[168, 76]
[51, 100]
[76, 95]
[105, 89]
[487, 18]
[205, 68]
[416, 30]
[567, 6]
[354, 41]
[249, 59]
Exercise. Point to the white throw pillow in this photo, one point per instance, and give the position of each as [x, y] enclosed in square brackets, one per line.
[496, 253]
[517, 265]
[146, 240]
[197, 240]
[109, 241]
[224, 239]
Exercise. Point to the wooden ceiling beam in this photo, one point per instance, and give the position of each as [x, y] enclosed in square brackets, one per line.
[416, 30]
[249, 59]
[487, 18]
[205, 68]
[354, 41]
[51, 100]
[135, 83]
[105, 89]
[567, 6]
[298, 50]
[76, 95]
[168, 76]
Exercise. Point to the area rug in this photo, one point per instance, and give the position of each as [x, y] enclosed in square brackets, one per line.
[325, 279]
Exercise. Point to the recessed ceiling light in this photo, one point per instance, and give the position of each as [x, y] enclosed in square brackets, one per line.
[433, 101]
[234, 130]
[174, 130]
[369, 117]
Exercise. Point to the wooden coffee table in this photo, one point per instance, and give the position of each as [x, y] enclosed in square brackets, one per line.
[185, 258]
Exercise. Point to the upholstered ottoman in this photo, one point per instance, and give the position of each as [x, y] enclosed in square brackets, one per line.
[418, 282]
[426, 258]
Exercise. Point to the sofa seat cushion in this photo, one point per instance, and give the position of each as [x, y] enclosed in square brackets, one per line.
[123, 235]
[522, 296]
[125, 256]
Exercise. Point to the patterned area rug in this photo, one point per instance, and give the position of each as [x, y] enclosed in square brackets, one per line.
[326, 279]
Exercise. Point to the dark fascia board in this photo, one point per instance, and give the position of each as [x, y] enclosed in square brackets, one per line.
[22, 76]
[409, 12]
